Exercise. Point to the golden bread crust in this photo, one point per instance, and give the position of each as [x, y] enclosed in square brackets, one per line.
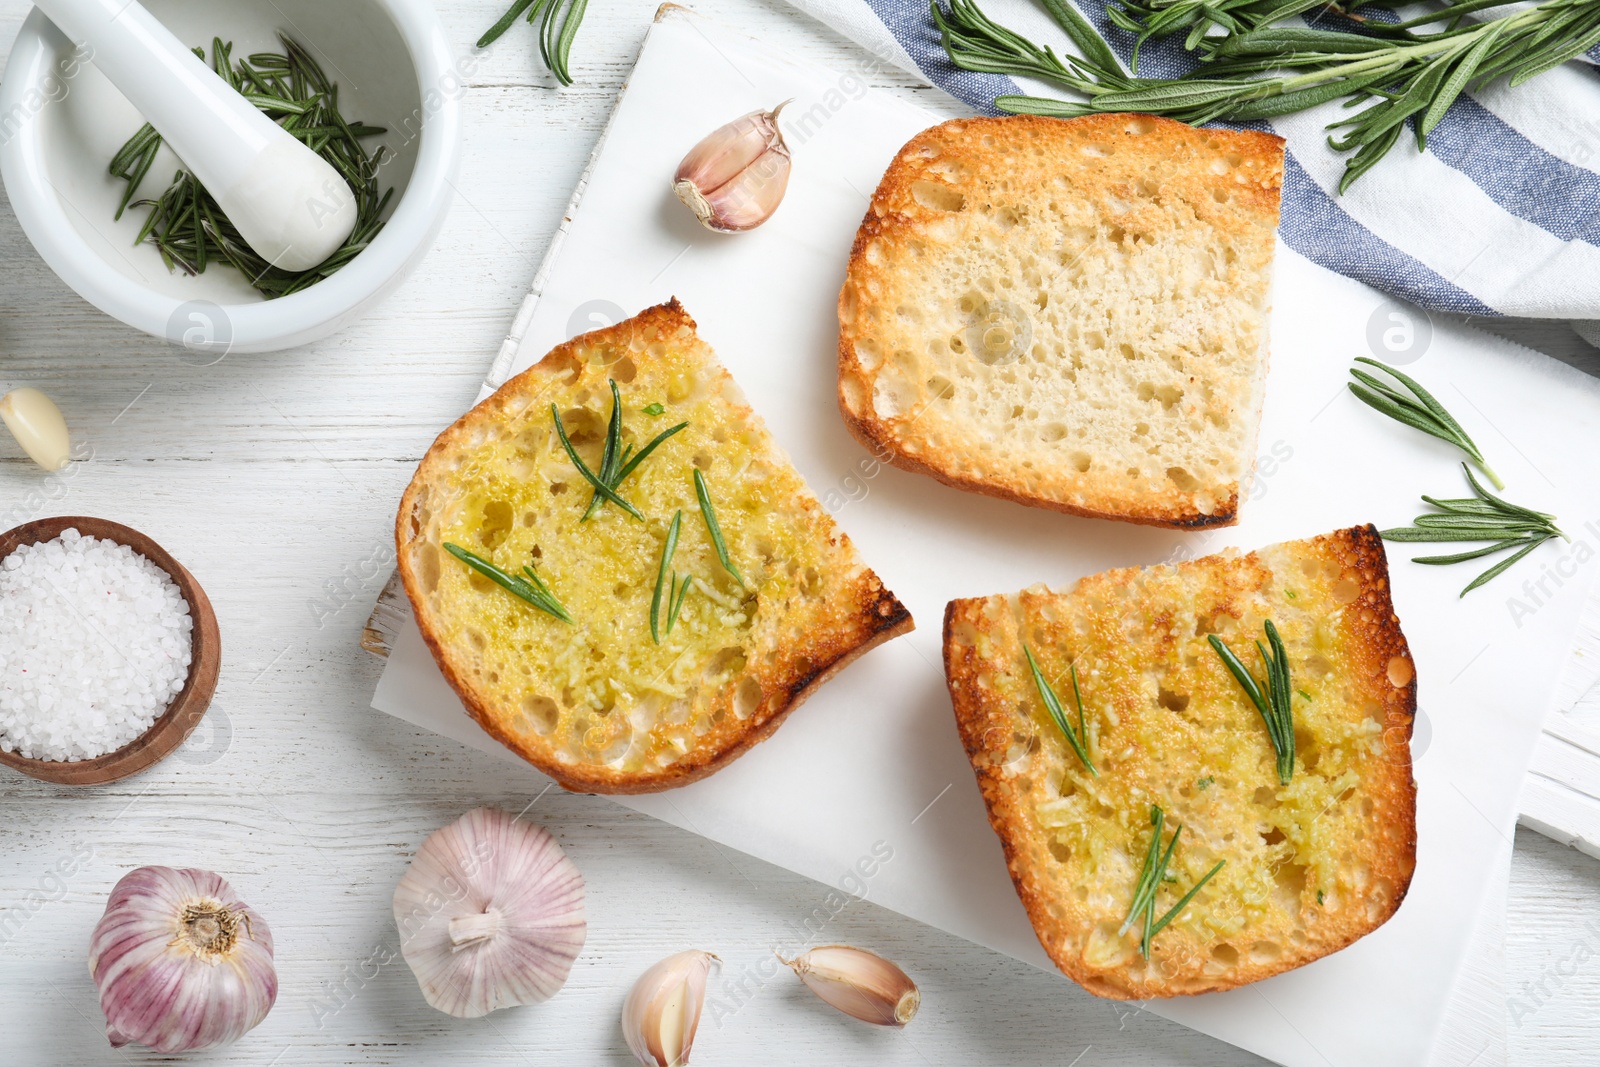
[1310, 867]
[792, 631]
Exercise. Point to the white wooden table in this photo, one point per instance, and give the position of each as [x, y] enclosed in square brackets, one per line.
[274, 478]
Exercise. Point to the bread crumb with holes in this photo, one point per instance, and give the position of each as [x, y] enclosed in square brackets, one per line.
[1071, 314]
[599, 705]
[1311, 866]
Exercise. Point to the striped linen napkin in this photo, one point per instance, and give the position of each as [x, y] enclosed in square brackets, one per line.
[1500, 216]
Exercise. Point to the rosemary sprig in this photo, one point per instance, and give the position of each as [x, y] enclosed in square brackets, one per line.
[558, 27]
[709, 513]
[670, 585]
[1252, 69]
[1480, 517]
[1077, 739]
[1274, 700]
[616, 463]
[1151, 876]
[527, 585]
[1420, 410]
[185, 223]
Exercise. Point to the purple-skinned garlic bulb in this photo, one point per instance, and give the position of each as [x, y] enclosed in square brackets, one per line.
[490, 914]
[180, 963]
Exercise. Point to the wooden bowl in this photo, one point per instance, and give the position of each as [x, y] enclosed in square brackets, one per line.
[186, 709]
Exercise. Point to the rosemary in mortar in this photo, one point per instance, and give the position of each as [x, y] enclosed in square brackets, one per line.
[1251, 68]
[185, 223]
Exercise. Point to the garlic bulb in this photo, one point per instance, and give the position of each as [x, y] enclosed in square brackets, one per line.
[179, 963]
[490, 914]
[859, 983]
[735, 178]
[662, 1011]
[36, 423]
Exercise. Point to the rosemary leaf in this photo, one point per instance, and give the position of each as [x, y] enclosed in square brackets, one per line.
[678, 599]
[1052, 704]
[667, 549]
[709, 513]
[528, 585]
[1476, 553]
[1480, 517]
[558, 28]
[639, 457]
[610, 457]
[493, 33]
[1248, 67]
[1274, 701]
[1501, 567]
[1421, 411]
[186, 225]
[616, 462]
[1182, 903]
[1151, 877]
[593, 479]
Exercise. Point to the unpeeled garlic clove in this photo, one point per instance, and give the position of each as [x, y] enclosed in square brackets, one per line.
[36, 423]
[859, 983]
[735, 178]
[662, 1011]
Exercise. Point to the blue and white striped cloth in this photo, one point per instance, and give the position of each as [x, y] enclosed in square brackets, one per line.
[1500, 216]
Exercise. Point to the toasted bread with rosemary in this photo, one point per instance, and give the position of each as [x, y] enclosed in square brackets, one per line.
[1307, 866]
[664, 673]
[1068, 313]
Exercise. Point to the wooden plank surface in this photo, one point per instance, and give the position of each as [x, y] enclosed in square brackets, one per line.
[274, 479]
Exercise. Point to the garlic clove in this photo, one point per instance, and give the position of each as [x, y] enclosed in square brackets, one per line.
[662, 1011]
[36, 423]
[735, 178]
[859, 983]
[490, 914]
[179, 963]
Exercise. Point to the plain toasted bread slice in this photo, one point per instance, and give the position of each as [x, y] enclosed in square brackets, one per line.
[1068, 313]
[598, 704]
[1310, 866]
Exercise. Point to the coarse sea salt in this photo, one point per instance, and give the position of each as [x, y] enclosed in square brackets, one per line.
[95, 641]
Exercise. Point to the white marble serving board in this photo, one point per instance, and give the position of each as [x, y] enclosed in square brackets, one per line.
[603, 264]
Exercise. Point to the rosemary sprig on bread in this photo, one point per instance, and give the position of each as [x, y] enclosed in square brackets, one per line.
[1151, 877]
[616, 462]
[1078, 739]
[528, 585]
[601, 706]
[1271, 698]
[1310, 866]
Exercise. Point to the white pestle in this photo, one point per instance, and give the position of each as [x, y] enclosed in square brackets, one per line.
[287, 202]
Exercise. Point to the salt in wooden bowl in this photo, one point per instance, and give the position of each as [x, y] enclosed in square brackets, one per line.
[186, 709]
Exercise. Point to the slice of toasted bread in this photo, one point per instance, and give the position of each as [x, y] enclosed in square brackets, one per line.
[1067, 313]
[598, 704]
[1310, 866]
